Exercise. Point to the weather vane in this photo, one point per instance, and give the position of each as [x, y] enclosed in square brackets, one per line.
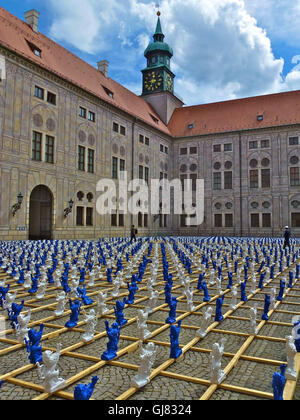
[157, 6]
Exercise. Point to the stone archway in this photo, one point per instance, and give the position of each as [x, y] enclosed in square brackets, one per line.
[40, 213]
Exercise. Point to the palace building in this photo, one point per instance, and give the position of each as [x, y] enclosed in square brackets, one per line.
[65, 124]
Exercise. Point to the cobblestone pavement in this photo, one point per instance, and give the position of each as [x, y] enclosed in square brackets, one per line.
[82, 361]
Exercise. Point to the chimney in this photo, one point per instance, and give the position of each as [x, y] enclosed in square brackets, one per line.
[103, 67]
[32, 19]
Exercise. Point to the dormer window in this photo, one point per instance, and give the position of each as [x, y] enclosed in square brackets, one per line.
[154, 119]
[191, 126]
[260, 118]
[108, 92]
[36, 51]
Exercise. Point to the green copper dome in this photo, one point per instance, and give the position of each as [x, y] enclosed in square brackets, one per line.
[158, 46]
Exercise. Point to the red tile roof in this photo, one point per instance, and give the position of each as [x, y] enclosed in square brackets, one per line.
[236, 115]
[15, 35]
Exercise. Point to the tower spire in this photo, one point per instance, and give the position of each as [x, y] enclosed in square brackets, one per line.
[159, 35]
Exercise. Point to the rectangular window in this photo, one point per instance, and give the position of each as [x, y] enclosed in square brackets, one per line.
[92, 116]
[229, 220]
[147, 175]
[141, 172]
[183, 220]
[79, 216]
[228, 147]
[36, 146]
[81, 158]
[183, 151]
[121, 220]
[193, 178]
[296, 220]
[145, 220]
[141, 139]
[89, 216]
[293, 141]
[115, 127]
[265, 178]
[122, 165]
[82, 112]
[165, 220]
[294, 177]
[217, 180]
[228, 180]
[122, 130]
[166, 150]
[255, 220]
[91, 161]
[49, 149]
[265, 144]
[266, 220]
[182, 179]
[147, 141]
[114, 220]
[39, 92]
[51, 98]
[218, 220]
[254, 179]
[217, 148]
[161, 148]
[193, 150]
[253, 145]
[140, 220]
[114, 168]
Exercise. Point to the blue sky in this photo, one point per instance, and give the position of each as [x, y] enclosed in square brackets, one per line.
[223, 49]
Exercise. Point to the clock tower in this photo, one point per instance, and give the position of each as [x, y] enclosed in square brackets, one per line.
[158, 79]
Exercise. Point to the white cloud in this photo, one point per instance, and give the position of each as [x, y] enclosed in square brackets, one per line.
[75, 26]
[280, 18]
[222, 48]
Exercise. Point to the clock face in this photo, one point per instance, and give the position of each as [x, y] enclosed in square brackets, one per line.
[169, 83]
[153, 81]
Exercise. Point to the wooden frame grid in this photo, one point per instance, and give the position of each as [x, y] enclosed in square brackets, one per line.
[193, 346]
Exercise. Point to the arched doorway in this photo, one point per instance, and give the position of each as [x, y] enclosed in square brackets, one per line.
[40, 213]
